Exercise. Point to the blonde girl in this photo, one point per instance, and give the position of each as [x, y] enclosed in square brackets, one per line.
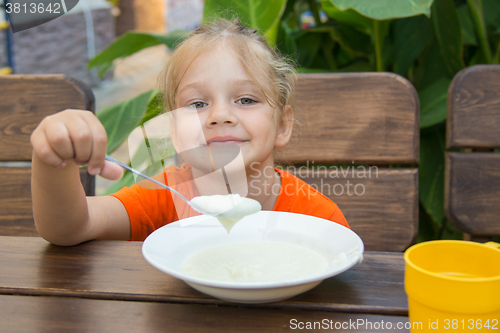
[242, 91]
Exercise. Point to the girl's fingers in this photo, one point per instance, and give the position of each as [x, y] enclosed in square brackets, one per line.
[99, 145]
[44, 151]
[82, 139]
[111, 171]
[59, 140]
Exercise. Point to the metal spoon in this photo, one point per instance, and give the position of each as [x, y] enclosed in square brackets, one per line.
[194, 206]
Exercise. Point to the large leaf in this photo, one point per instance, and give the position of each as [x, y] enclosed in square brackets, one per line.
[258, 14]
[120, 119]
[351, 39]
[431, 66]
[427, 229]
[431, 172]
[345, 58]
[448, 34]
[491, 10]
[272, 33]
[286, 42]
[133, 42]
[411, 36]
[433, 103]
[350, 17]
[308, 46]
[385, 9]
[155, 107]
[468, 33]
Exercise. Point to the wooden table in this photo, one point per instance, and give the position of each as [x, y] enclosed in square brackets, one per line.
[107, 286]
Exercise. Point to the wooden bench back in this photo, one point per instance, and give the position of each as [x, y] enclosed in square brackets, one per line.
[472, 178]
[365, 121]
[24, 101]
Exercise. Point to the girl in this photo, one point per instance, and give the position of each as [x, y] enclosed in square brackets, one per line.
[242, 94]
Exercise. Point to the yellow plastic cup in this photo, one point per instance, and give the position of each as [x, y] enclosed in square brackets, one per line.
[453, 286]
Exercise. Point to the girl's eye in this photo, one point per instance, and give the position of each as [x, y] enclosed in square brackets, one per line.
[246, 101]
[199, 105]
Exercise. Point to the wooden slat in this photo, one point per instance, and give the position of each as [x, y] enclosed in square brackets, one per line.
[368, 118]
[16, 215]
[26, 99]
[474, 108]
[472, 192]
[117, 270]
[380, 204]
[54, 314]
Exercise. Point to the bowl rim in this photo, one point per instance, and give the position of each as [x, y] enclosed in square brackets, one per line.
[256, 285]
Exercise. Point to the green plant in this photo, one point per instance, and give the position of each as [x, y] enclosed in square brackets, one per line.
[426, 41]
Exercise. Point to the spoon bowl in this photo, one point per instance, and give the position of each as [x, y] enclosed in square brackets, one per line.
[229, 209]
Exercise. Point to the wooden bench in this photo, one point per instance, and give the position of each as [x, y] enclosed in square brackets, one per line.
[365, 121]
[472, 177]
[24, 101]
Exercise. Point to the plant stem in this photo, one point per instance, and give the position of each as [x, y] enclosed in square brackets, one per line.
[476, 10]
[314, 10]
[378, 46]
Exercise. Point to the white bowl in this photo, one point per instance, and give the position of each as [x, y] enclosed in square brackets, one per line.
[168, 248]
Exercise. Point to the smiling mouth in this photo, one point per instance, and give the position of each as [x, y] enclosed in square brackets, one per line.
[225, 142]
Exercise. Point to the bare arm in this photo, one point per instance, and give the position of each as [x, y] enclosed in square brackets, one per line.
[63, 214]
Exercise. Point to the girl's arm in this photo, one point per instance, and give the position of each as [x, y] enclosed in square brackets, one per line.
[63, 214]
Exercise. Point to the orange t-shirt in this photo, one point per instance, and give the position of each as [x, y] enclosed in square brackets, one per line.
[151, 208]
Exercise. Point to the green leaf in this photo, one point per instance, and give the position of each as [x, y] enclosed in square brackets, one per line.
[427, 229]
[258, 14]
[431, 67]
[491, 10]
[411, 36]
[450, 232]
[104, 69]
[351, 39]
[385, 9]
[155, 108]
[286, 43]
[133, 42]
[350, 17]
[345, 57]
[433, 103]
[431, 171]
[448, 34]
[360, 66]
[120, 119]
[308, 46]
[272, 33]
[467, 25]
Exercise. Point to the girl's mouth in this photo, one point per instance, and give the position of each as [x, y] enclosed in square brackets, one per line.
[219, 140]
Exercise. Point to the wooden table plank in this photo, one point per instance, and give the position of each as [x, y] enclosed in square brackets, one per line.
[117, 270]
[66, 314]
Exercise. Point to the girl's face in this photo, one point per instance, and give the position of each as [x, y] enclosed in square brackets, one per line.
[231, 110]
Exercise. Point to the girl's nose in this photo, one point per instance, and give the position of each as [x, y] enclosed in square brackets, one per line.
[221, 113]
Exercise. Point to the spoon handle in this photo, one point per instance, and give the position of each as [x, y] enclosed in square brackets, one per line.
[111, 159]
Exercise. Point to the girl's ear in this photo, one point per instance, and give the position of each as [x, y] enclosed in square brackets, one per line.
[285, 127]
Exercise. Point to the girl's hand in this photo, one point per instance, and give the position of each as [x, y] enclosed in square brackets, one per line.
[74, 135]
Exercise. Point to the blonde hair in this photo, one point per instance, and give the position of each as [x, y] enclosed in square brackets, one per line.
[273, 74]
